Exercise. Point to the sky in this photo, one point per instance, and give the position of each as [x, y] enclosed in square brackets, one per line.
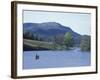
[78, 22]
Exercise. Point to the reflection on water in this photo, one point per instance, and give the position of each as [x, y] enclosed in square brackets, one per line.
[54, 59]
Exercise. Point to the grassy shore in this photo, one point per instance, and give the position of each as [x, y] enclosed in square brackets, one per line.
[42, 44]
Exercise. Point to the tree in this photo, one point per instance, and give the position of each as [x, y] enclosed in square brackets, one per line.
[35, 37]
[59, 39]
[68, 39]
[27, 35]
[85, 43]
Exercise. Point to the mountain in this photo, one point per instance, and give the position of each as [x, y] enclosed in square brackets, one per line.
[47, 30]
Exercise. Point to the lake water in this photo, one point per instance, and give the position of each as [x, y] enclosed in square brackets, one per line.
[54, 59]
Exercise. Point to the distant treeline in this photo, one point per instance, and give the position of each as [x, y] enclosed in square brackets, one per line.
[64, 41]
[85, 43]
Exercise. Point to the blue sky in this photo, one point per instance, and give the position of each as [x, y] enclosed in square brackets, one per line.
[78, 22]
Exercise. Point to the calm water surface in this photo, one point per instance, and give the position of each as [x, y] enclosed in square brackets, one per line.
[53, 59]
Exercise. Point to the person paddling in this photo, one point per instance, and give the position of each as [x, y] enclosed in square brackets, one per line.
[37, 57]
